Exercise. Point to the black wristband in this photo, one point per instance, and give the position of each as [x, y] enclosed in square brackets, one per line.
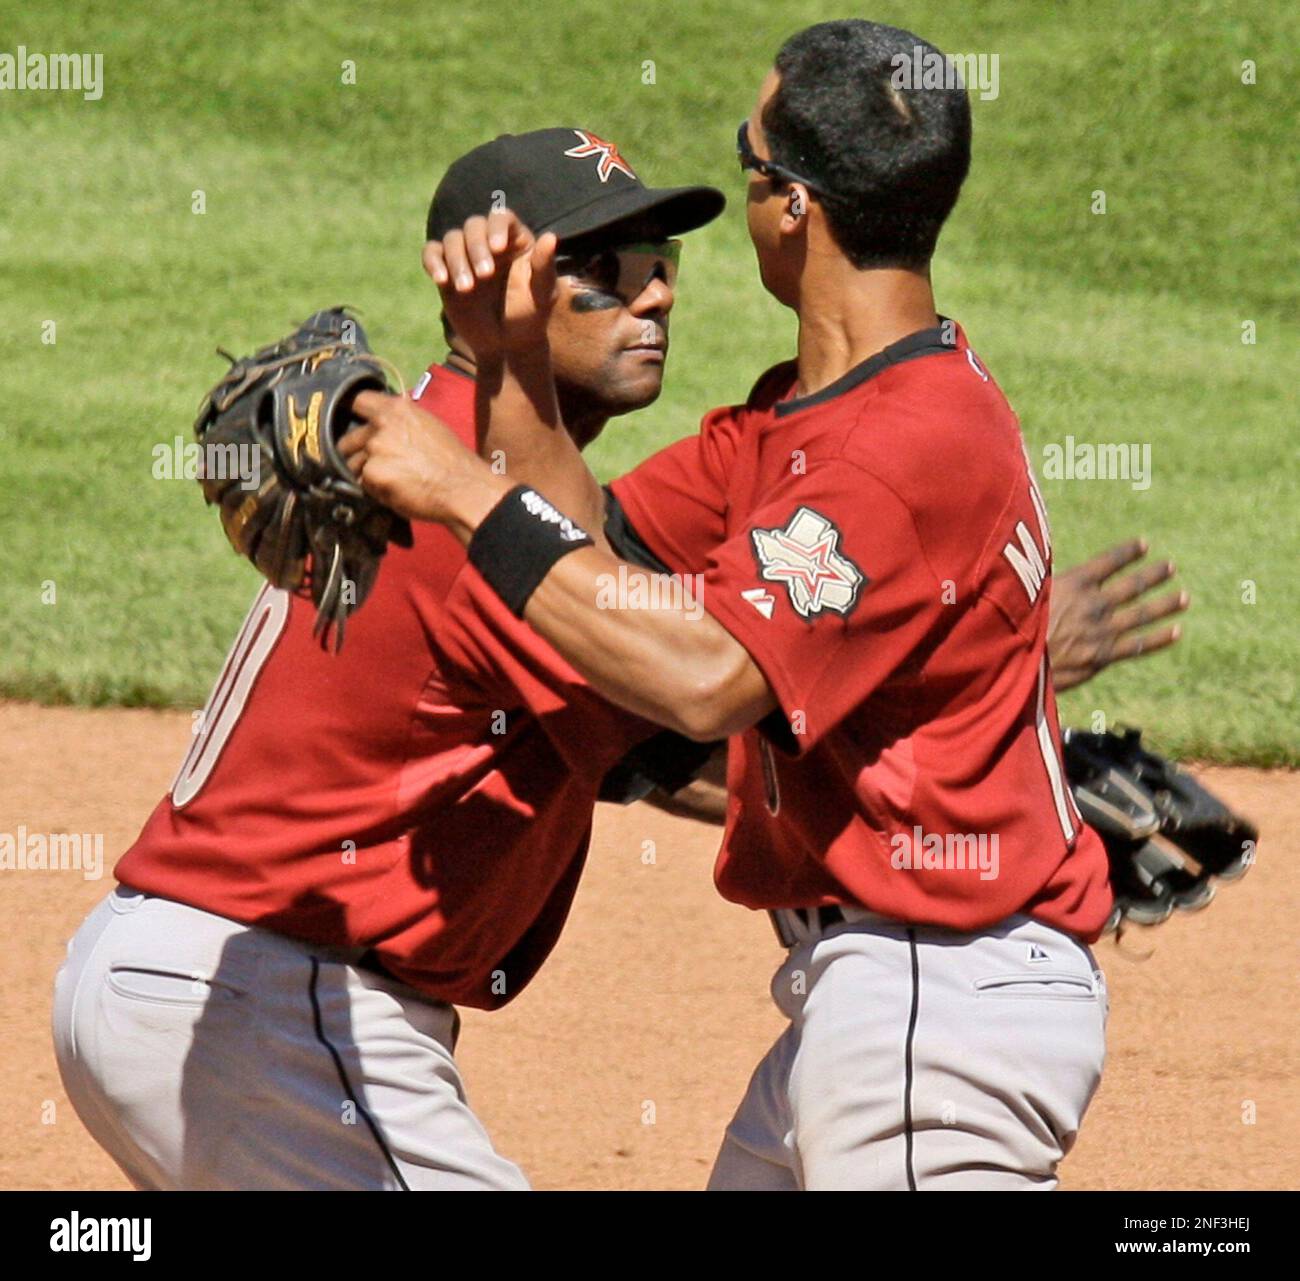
[517, 543]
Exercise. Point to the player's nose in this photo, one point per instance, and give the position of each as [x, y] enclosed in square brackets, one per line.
[656, 298]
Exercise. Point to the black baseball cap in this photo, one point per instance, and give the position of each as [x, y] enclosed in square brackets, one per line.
[571, 182]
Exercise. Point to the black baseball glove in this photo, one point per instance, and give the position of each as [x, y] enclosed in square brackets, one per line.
[269, 431]
[1167, 837]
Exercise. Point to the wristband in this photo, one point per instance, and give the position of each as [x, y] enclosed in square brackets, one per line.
[517, 543]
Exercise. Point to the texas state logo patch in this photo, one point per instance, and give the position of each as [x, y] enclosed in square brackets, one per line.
[805, 558]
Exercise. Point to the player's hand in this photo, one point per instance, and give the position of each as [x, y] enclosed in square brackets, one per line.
[1096, 617]
[415, 465]
[497, 282]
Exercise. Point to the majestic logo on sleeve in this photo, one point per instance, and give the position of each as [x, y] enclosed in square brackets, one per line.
[805, 557]
[607, 151]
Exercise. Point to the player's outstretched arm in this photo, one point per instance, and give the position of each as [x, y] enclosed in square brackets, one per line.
[677, 666]
[1096, 617]
[674, 665]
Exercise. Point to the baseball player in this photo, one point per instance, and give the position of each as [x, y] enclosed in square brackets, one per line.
[357, 843]
[354, 845]
[877, 572]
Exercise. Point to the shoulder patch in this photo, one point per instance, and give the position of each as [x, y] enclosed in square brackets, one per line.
[804, 556]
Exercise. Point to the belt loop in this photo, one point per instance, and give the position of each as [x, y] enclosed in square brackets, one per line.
[794, 926]
[783, 926]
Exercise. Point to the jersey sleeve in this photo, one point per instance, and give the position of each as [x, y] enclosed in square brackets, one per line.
[828, 588]
[675, 502]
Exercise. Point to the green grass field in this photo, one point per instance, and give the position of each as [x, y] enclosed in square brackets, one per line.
[1122, 327]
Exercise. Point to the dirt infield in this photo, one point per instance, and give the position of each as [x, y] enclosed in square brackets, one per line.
[622, 1062]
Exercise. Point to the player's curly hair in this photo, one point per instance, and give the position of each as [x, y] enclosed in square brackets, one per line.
[892, 155]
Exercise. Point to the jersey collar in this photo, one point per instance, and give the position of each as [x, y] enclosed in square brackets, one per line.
[925, 342]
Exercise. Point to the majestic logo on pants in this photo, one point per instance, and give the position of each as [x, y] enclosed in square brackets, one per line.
[805, 557]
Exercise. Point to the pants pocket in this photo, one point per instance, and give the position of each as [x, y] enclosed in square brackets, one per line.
[161, 985]
[1053, 985]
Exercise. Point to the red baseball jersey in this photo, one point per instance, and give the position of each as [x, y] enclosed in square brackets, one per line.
[882, 551]
[427, 792]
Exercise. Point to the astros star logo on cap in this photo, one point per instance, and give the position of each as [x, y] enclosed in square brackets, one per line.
[607, 151]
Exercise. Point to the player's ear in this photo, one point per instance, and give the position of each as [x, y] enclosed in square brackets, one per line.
[794, 217]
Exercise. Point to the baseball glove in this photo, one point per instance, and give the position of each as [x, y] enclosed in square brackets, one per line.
[268, 433]
[1167, 837]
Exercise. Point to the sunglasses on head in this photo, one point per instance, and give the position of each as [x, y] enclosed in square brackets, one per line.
[625, 270]
[769, 169]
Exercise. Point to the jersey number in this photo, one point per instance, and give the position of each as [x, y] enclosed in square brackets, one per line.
[1065, 810]
[252, 647]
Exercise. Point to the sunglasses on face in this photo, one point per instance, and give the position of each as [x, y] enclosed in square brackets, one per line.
[624, 270]
[767, 168]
